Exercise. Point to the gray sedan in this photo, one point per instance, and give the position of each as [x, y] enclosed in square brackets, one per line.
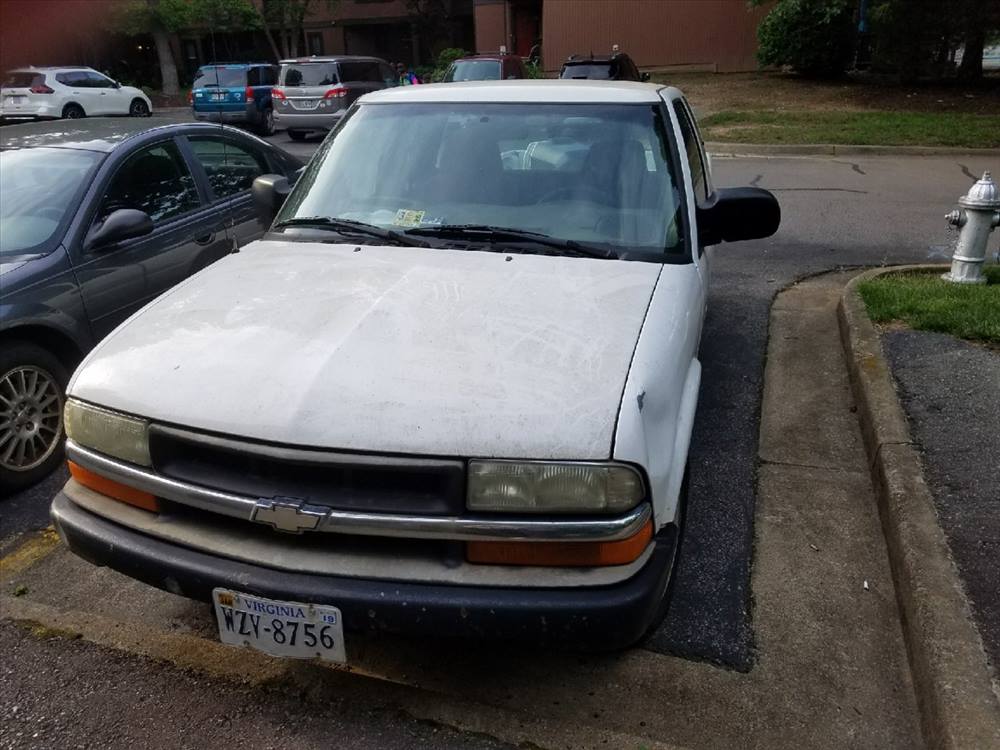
[97, 219]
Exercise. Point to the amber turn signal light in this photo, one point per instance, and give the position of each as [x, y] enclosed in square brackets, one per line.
[118, 491]
[562, 554]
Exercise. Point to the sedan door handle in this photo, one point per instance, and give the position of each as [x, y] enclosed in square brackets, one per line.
[205, 239]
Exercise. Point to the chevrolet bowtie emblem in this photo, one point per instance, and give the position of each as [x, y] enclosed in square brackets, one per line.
[288, 514]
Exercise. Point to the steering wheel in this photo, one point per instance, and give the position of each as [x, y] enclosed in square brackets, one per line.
[573, 192]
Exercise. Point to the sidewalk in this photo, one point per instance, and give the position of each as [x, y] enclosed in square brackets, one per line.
[830, 667]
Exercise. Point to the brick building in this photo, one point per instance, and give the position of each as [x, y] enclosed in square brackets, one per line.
[715, 35]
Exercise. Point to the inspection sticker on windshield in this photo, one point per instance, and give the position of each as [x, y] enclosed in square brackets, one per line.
[407, 217]
[290, 629]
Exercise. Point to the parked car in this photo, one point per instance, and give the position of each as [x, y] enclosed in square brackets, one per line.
[95, 221]
[52, 93]
[313, 93]
[235, 93]
[486, 67]
[614, 67]
[450, 392]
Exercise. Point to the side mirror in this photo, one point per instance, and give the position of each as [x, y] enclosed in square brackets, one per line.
[269, 192]
[120, 225]
[644, 77]
[734, 214]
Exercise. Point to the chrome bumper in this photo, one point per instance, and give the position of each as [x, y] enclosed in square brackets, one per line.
[369, 524]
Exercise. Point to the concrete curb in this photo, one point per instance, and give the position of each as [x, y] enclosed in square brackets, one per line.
[832, 149]
[958, 702]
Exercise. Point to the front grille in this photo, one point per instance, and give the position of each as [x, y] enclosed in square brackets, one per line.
[343, 481]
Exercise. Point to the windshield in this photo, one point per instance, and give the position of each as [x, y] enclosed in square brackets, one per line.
[595, 174]
[38, 188]
[593, 71]
[226, 78]
[473, 70]
[309, 74]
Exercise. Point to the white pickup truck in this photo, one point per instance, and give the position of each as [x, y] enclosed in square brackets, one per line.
[450, 391]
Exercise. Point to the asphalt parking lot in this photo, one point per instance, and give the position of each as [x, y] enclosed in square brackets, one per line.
[838, 213]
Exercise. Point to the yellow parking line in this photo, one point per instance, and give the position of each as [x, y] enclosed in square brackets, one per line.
[37, 547]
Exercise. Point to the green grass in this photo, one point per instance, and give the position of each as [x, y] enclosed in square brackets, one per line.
[925, 302]
[855, 128]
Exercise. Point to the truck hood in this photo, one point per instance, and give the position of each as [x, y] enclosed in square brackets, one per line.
[388, 349]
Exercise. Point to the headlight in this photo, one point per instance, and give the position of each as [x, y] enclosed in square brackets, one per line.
[108, 432]
[552, 487]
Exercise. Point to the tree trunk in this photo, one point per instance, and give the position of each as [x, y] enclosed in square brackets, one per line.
[274, 46]
[168, 68]
[972, 59]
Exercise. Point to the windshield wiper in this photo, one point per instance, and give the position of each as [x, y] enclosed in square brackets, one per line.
[350, 226]
[488, 233]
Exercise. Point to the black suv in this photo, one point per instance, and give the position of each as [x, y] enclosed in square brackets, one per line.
[614, 67]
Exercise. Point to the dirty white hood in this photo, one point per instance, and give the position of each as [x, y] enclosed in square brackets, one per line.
[390, 349]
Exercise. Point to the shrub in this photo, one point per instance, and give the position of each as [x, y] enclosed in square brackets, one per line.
[813, 37]
[445, 58]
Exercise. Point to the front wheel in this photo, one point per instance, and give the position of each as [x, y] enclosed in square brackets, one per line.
[32, 393]
[296, 135]
[138, 108]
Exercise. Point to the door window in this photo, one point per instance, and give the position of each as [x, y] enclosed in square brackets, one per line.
[97, 81]
[692, 148]
[155, 180]
[359, 72]
[230, 168]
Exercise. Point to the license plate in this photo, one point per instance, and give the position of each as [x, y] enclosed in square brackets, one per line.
[16, 99]
[218, 97]
[306, 104]
[287, 629]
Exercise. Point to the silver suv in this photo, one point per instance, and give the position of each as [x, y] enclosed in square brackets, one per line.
[314, 92]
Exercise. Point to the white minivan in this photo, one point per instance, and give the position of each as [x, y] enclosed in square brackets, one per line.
[451, 391]
[50, 93]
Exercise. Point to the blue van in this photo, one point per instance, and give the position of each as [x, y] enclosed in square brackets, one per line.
[235, 93]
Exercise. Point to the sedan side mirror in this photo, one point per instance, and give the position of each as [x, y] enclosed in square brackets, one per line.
[120, 225]
[269, 192]
[734, 214]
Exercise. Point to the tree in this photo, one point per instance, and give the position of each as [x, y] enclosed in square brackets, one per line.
[160, 18]
[283, 23]
[920, 37]
[813, 37]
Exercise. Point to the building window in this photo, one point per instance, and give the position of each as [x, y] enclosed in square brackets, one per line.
[315, 43]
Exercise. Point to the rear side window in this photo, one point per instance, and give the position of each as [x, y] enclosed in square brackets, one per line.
[231, 168]
[268, 76]
[309, 74]
[219, 77]
[21, 80]
[155, 180]
[360, 72]
[77, 78]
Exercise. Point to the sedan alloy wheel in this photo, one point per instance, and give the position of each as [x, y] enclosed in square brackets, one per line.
[31, 404]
